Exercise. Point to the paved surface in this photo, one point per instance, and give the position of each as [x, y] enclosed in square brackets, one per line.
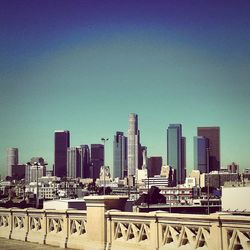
[6, 244]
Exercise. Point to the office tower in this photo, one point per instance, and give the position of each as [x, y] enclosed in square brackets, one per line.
[183, 159]
[18, 171]
[201, 153]
[97, 160]
[73, 162]
[12, 159]
[154, 165]
[175, 156]
[85, 161]
[62, 142]
[213, 135]
[119, 155]
[33, 172]
[133, 144]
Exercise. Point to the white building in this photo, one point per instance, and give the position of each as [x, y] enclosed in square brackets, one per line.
[33, 172]
[235, 198]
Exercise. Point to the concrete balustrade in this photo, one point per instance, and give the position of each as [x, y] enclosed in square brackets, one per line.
[104, 226]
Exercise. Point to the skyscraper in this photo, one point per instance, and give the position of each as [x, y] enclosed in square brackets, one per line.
[85, 161]
[213, 135]
[201, 145]
[12, 159]
[133, 144]
[119, 155]
[183, 159]
[62, 142]
[73, 162]
[154, 165]
[175, 151]
[97, 159]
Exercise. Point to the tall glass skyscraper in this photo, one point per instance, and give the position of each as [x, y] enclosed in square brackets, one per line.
[213, 135]
[97, 160]
[133, 144]
[120, 155]
[201, 145]
[176, 151]
[85, 161]
[183, 159]
[62, 142]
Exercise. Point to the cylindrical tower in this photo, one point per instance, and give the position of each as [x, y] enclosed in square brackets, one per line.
[12, 159]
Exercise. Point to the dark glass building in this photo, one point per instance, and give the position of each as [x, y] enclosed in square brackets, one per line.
[85, 161]
[120, 155]
[213, 135]
[62, 142]
[201, 145]
[183, 159]
[18, 171]
[175, 151]
[154, 165]
[97, 160]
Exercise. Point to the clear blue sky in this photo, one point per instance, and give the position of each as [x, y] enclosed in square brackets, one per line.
[85, 65]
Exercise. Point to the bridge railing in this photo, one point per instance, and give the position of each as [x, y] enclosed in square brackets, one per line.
[104, 226]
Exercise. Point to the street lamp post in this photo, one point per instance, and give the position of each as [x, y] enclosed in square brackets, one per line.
[104, 141]
[37, 187]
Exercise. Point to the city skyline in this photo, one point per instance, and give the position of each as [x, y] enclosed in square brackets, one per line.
[84, 66]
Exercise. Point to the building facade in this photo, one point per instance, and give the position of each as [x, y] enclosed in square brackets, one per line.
[120, 155]
[62, 142]
[133, 144]
[201, 154]
[85, 161]
[18, 171]
[175, 147]
[213, 135]
[73, 162]
[183, 159]
[97, 160]
[33, 172]
[154, 165]
[12, 159]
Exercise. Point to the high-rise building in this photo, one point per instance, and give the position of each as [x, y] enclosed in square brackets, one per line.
[183, 159]
[62, 142]
[119, 155]
[97, 160]
[133, 144]
[175, 149]
[213, 135]
[154, 165]
[85, 161]
[201, 145]
[73, 162]
[12, 159]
